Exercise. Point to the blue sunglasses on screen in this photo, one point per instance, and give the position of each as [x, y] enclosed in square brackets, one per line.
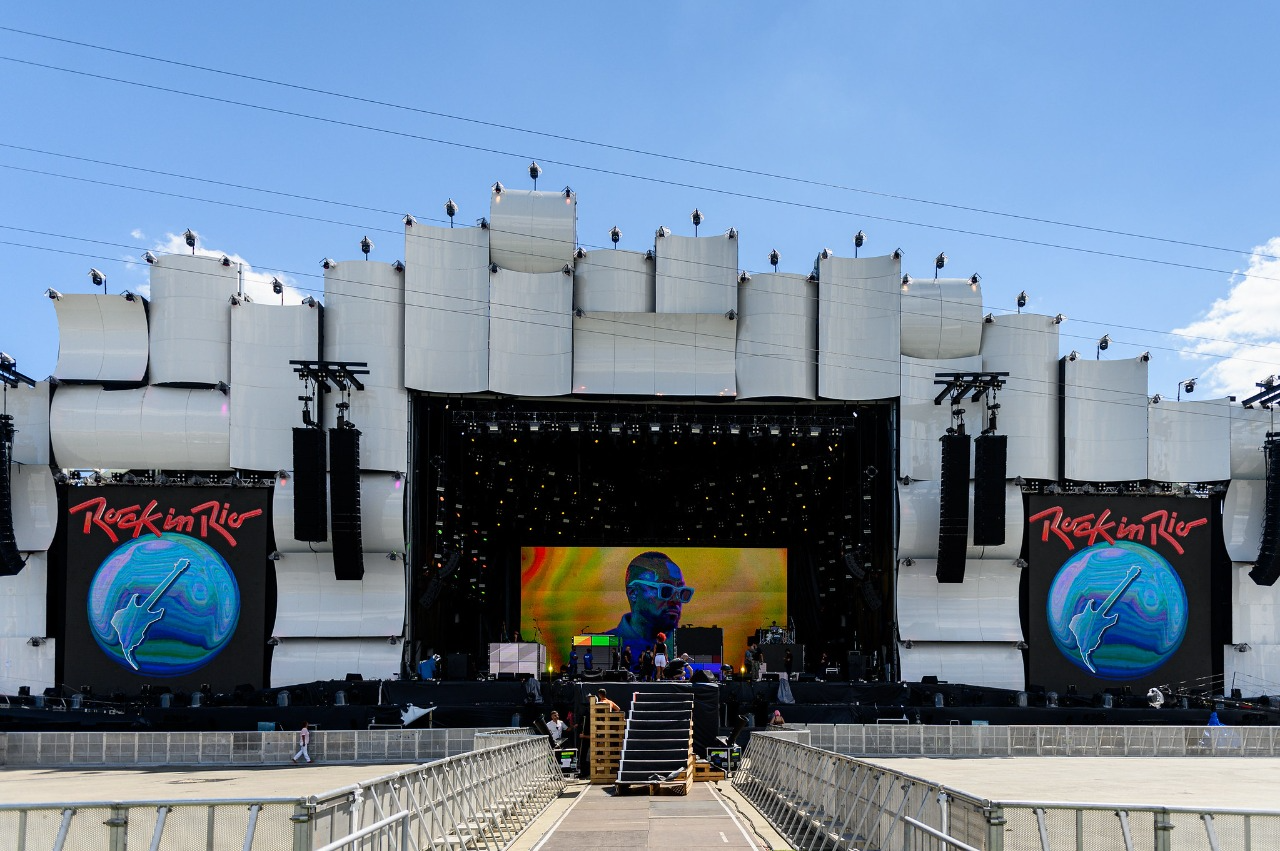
[666, 590]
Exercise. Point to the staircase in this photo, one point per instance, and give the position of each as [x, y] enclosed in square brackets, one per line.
[657, 747]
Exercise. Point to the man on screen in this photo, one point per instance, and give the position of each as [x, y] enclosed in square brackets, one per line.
[657, 594]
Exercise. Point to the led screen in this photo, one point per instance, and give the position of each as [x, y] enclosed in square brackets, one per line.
[568, 591]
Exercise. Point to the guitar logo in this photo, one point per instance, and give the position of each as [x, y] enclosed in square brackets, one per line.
[132, 621]
[1092, 621]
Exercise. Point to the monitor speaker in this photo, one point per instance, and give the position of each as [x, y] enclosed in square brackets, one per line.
[1267, 568]
[458, 666]
[310, 502]
[990, 458]
[953, 516]
[344, 503]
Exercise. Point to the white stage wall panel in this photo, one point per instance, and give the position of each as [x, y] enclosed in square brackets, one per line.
[191, 319]
[24, 665]
[29, 407]
[101, 338]
[991, 665]
[35, 506]
[282, 519]
[150, 428]
[1244, 510]
[1026, 346]
[1249, 427]
[446, 309]
[264, 338]
[922, 423]
[381, 515]
[982, 608]
[531, 333]
[777, 347]
[1189, 441]
[859, 328]
[532, 232]
[1255, 609]
[364, 321]
[22, 600]
[1104, 419]
[696, 274]
[1255, 672]
[942, 319]
[614, 281]
[647, 354]
[303, 660]
[312, 604]
[918, 510]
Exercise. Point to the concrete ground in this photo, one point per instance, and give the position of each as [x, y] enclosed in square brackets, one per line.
[1246, 783]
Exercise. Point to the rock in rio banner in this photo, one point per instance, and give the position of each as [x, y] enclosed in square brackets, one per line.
[165, 586]
[1119, 591]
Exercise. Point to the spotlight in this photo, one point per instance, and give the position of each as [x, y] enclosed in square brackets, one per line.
[734, 428]
[743, 277]
[190, 238]
[579, 312]
[938, 263]
[392, 556]
[278, 288]
[310, 302]
[128, 296]
[731, 314]
[450, 210]
[1022, 300]
[99, 279]
[1073, 356]
[1157, 399]
[696, 218]
[1188, 386]
[974, 280]
[326, 263]
[150, 258]
[275, 555]
[990, 318]
[859, 239]
[774, 257]
[1144, 357]
[568, 195]
[53, 294]
[493, 268]
[906, 283]
[578, 254]
[615, 235]
[897, 254]
[225, 261]
[410, 221]
[1059, 319]
[497, 191]
[1104, 343]
[366, 245]
[535, 171]
[398, 266]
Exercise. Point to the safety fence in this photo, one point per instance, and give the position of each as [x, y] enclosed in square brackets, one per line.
[820, 800]
[965, 740]
[482, 799]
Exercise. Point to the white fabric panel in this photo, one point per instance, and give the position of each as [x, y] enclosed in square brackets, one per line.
[1249, 427]
[312, 604]
[531, 333]
[859, 328]
[35, 507]
[650, 354]
[264, 338]
[191, 319]
[101, 338]
[777, 352]
[1255, 609]
[1026, 346]
[364, 321]
[982, 608]
[1105, 419]
[282, 520]
[29, 407]
[22, 600]
[532, 232]
[381, 516]
[303, 660]
[147, 428]
[1189, 441]
[1243, 513]
[614, 281]
[990, 665]
[1255, 672]
[922, 423]
[446, 309]
[696, 274]
[24, 665]
[942, 319]
[919, 505]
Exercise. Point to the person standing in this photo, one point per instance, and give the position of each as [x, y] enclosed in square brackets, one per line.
[588, 663]
[557, 728]
[573, 661]
[626, 659]
[304, 740]
[660, 660]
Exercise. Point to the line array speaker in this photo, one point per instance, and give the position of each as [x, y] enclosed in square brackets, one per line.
[990, 459]
[10, 559]
[344, 503]
[310, 485]
[953, 509]
[1267, 569]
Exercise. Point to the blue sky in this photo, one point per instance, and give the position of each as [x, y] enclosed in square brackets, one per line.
[1155, 121]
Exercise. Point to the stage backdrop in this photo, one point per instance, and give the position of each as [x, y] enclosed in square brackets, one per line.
[165, 587]
[1119, 591]
[569, 590]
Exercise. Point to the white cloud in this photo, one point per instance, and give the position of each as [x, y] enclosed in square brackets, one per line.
[257, 285]
[137, 233]
[1238, 339]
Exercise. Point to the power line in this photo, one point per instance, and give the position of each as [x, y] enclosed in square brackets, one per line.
[629, 150]
[627, 175]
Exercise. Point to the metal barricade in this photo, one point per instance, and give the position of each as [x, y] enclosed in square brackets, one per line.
[1056, 826]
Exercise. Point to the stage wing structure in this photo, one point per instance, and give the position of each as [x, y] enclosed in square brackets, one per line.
[29, 407]
[101, 338]
[381, 516]
[1189, 441]
[696, 274]
[654, 354]
[982, 608]
[531, 332]
[1026, 346]
[35, 507]
[304, 660]
[1104, 419]
[991, 664]
[612, 281]
[532, 232]
[922, 422]
[313, 604]
[1249, 427]
[859, 327]
[446, 319]
[941, 319]
[777, 337]
[190, 316]
[919, 504]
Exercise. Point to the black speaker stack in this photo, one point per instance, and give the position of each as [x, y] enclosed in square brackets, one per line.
[953, 512]
[990, 460]
[310, 485]
[344, 502]
[1267, 568]
[10, 558]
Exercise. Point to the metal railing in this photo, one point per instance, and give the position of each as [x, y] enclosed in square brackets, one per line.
[482, 799]
[820, 800]
[965, 740]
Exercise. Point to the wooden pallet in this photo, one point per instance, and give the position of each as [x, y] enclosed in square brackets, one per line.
[704, 771]
[608, 729]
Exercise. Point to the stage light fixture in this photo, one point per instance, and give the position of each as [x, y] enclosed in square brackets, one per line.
[310, 302]
[398, 266]
[149, 257]
[615, 428]
[1188, 386]
[410, 221]
[974, 280]
[1104, 343]
[53, 294]
[189, 236]
[492, 427]
[775, 430]
[859, 239]
[535, 171]
[815, 431]
[897, 254]
[275, 555]
[1073, 356]
[696, 218]
[774, 257]
[906, 283]
[938, 263]
[1059, 319]
[497, 191]
[99, 279]
[366, 245]
[1022, 300]
[615, 235]
[326, 263]
[1157, 399]
[989, 318]
[734, 428]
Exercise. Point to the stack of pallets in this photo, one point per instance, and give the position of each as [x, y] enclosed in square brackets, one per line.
[608, 727]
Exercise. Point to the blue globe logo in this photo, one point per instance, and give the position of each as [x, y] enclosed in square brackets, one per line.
[1117, 611]
[163, 607]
